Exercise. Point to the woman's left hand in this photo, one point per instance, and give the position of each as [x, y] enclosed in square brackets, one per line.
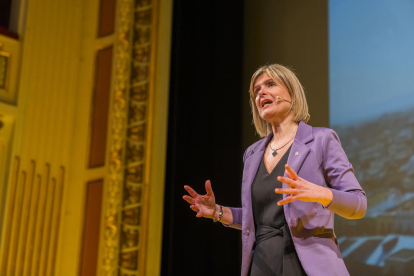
[303, 190]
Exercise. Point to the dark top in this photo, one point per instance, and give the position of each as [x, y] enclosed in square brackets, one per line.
[264, 199]
[274, 251]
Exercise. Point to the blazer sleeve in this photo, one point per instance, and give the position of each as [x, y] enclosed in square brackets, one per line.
[238, 212]
[237, 218]
[349, 200]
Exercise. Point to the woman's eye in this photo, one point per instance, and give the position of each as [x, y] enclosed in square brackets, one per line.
[271, 84]
[257, 91]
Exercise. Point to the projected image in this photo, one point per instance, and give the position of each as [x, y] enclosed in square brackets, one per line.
[372, 110]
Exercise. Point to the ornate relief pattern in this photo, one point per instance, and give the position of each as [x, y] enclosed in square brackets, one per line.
[4, 67]
[134, 192]
[125, 205]
[122, 61]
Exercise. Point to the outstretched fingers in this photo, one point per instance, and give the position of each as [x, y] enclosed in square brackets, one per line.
[199, 211]
[189, 199]
[286, 180]
[288, 174]
[190, 191]
[287, 200]
[208, 188]
[291, 172]
[286, 191]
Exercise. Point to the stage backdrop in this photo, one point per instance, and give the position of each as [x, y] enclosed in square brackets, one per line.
[371, 70]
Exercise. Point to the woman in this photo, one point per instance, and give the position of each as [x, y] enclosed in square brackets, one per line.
[294, 181]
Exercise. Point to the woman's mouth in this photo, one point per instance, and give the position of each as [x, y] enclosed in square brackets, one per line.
[266, 103]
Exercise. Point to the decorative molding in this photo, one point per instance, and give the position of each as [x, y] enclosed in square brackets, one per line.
[118, 120]
[107, 11]
[92, 226]
[126, 200]
[135, 189]
[100, 106]
[4, 68]
[10, 53]
[33, 220]
[9, 217]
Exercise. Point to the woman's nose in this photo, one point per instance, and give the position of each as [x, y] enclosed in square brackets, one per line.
[262, 91]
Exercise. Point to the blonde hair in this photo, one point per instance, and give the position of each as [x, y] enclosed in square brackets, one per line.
[288, 79]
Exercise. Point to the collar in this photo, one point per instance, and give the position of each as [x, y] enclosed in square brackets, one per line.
[303, 134]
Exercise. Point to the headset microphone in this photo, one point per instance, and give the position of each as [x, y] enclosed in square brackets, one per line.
[280, 98]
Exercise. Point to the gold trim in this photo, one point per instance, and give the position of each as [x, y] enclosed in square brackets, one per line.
[154, 23]
[97, 50]
[22, 242]
[6, 69]
[9, 218]
[139, 134]
[117, 128]
[30, 234]
[34, 207]
[127, 195]
[50, 200]
[40, 219]
[11, 264]
[56, 216]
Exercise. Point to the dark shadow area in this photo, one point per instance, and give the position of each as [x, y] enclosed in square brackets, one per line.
[204, 136]
[5, 6]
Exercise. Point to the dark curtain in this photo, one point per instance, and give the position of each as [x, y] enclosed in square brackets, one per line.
[204, 135]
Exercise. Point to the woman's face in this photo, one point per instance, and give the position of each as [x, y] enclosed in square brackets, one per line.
[270, 108]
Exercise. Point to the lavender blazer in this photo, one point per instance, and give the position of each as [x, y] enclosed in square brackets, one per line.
[317, 156]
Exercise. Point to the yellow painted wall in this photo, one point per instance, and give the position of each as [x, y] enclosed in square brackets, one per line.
[46, 140]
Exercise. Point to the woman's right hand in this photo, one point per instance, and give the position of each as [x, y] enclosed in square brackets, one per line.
[204, 205]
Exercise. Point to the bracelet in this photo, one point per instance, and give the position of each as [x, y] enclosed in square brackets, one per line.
[220, 217]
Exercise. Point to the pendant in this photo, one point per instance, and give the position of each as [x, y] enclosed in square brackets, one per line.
[274, 153]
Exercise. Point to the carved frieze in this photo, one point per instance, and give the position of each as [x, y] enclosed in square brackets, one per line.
[117, 140]
[126, 204]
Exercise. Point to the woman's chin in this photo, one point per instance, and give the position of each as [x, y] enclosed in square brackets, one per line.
[274, 116]
[267, 116]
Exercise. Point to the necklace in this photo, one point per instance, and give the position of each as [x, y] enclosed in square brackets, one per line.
[275, 150]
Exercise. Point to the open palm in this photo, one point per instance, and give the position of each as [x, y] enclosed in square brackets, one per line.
[204, 205]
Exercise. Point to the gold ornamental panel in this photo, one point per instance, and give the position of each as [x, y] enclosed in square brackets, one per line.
[9, 69]
[4, 68]
[130, 132]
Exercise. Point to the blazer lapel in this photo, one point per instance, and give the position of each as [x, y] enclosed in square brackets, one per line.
[297, 156]
[251, 164]
[299, 150]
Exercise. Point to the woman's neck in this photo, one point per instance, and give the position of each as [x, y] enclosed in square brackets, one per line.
[284, 130]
